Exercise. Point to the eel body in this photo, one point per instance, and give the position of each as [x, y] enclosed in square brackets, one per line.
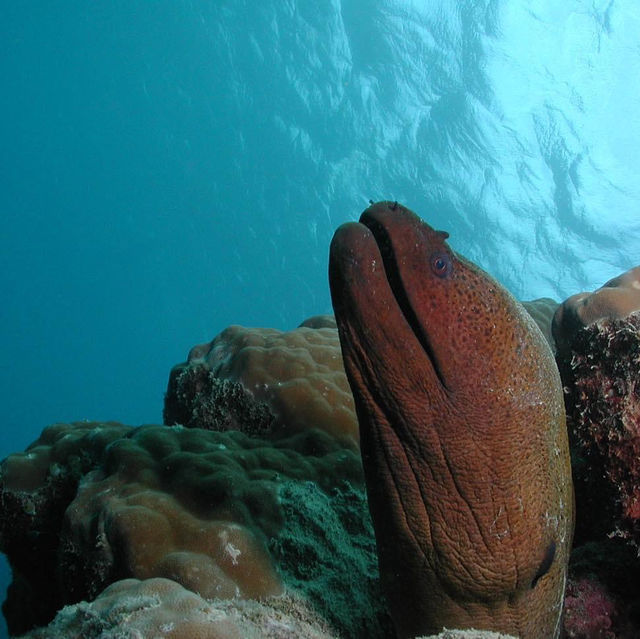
[462, 432]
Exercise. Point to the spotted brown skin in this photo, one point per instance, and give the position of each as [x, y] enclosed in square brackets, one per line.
[462, 432]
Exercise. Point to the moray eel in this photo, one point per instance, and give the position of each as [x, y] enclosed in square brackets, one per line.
[462, 432]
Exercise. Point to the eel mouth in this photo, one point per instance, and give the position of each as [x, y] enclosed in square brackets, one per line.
[398, 288]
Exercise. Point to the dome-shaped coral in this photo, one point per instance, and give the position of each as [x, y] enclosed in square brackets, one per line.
[223, 514]
[615, 299]
[267, 381]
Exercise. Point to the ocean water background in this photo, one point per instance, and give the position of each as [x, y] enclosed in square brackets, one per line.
[170, 168]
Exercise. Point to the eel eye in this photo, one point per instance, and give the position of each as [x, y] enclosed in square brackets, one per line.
[441, 264]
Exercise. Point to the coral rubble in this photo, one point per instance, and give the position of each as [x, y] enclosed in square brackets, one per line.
[162, 608]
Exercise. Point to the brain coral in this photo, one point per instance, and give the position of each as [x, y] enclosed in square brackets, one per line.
[162, 608]
[218, 513]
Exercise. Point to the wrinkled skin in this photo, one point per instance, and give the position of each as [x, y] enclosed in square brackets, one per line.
[462, 432]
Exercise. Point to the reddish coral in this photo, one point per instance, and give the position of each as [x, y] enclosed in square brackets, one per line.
[589, 610]
[601, 373]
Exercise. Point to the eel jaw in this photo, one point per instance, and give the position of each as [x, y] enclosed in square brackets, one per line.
[399, 290]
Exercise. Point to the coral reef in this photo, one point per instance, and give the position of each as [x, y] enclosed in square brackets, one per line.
[211, 511]
[197, 398]
[602, 591]
[598, 354]
[341, 573]
[148, 522]
[35, 488]
[589, 610]
[600, 369]
[162, 608]
[616, 299]
[276, 382]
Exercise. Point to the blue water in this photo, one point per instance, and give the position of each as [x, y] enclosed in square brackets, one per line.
[168, 168]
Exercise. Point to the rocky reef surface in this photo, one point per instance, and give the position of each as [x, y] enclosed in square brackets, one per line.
[245, 515]
[597, 335]
[221, 514]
